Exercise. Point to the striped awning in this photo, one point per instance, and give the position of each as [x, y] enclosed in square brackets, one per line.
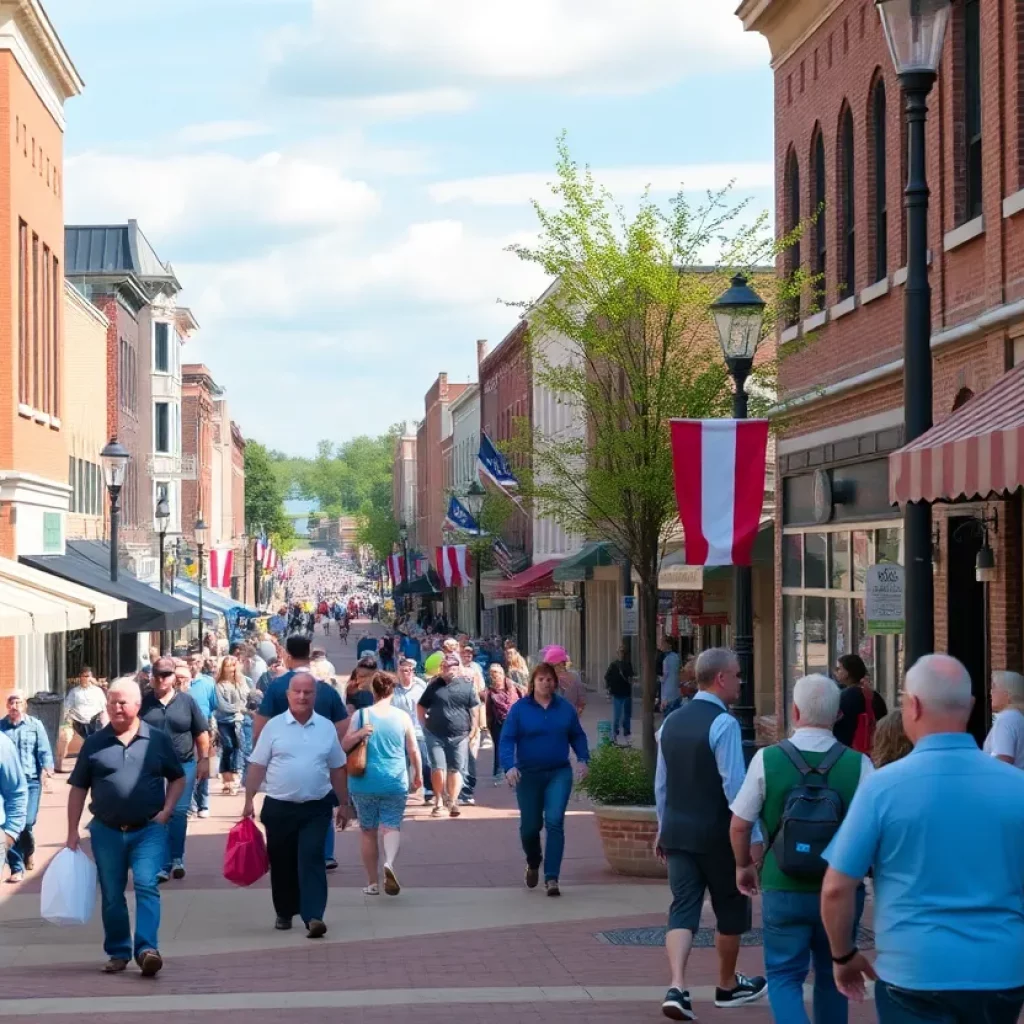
[977, 451]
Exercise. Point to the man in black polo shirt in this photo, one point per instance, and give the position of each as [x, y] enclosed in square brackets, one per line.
[177, 714]
[136, 781]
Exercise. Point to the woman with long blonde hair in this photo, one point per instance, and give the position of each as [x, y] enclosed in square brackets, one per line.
[231, 691]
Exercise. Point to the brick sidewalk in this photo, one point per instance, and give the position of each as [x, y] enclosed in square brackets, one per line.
[469, 968]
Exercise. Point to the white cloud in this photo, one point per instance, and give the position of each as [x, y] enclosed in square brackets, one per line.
[355, 47]
[221, 131]
[400, 106]
[178, 195]
[517, 189]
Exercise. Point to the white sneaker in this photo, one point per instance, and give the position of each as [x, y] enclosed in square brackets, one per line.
[204, 813]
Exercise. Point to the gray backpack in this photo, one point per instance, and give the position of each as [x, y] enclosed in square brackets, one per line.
[811, 816]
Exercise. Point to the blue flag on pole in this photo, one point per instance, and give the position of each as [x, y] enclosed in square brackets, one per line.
[458, 518]
[494, 465]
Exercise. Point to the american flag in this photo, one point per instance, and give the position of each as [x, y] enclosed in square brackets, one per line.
[503, 557]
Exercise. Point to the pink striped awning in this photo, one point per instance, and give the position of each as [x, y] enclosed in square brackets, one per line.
[977, 451]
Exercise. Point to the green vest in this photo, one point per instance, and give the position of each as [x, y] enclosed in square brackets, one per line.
[780, 776]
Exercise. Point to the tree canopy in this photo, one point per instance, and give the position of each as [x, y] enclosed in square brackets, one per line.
[264, 497]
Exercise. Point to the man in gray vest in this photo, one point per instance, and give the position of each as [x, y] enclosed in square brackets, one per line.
[700, 771]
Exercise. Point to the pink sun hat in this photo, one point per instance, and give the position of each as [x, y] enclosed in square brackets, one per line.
[554, 655]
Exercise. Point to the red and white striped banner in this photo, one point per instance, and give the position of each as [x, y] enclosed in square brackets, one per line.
[396, 569]
[720, 477]
[452, 565]
[222, 561]
[269, 557]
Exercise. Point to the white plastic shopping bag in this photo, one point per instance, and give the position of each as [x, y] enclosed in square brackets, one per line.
[69, 889]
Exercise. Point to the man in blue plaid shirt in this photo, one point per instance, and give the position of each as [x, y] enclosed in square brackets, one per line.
[36, 758]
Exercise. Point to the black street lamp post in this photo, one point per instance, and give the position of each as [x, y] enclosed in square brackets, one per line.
[403, 533]
[914, 31]
[202, 532]
[163, 517]
[739, 314]
[475, 503]
[114, 459]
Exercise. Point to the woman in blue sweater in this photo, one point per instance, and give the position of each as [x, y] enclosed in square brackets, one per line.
[535, 742]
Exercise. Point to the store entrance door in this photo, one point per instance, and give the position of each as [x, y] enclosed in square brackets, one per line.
[965, 614]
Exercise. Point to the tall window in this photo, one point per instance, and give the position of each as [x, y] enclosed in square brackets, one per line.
[972, 107]
[792, 223]
[880, 208]
[37, 361]
[43, 270]
[56, 293]
[820, 263]
[847, 239]
[24, 356]
[162, 427]
[162, 348]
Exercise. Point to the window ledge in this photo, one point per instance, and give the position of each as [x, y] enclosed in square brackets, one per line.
[25, 410]
[963, 234]
[900, 276]
[874, 291]
[55, 422]
[815, 322]
[844, 308]
[1013, 204]
[40, 417]
[790, 334]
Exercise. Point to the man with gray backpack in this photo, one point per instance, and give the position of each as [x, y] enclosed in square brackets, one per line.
[800, 790]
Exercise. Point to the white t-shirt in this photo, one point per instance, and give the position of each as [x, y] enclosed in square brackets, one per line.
[83, 703]
[1006, 737]
[750, 799]
[298, 758]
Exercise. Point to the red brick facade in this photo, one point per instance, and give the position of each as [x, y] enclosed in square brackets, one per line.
[431, 497]
[847, 369]
[196, 439]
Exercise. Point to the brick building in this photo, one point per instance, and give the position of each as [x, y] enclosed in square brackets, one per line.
[840, 146]
[403, 481]
[199, 395]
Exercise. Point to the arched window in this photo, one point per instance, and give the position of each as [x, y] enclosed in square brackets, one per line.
[819, 261]
[792, 221]
[879, 207]
[847, 218]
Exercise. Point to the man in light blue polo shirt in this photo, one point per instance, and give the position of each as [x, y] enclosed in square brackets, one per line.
[943, 830]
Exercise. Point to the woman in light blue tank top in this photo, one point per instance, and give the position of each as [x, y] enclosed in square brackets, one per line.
[380, 793]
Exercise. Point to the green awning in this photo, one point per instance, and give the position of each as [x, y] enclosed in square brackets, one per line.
[581, 566]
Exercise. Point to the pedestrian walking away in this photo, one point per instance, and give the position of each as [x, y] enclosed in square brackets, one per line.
[33, 745]
[450, 711]
[176, 714]
[380, 791]
[203, 690]
[300, 760]
[799, 790]
[619, 680]
[942, 830]
[699, 772]
[136, 780]
[501, 695]
[535, 741]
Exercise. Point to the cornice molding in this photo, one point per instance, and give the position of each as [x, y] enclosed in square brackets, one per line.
[786, 24]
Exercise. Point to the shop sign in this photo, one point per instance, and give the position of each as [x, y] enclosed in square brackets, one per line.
[689, 602]
[630, 620]
[883, 599]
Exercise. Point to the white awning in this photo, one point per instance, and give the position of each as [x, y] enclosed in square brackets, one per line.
[24, 611]
[97, 607]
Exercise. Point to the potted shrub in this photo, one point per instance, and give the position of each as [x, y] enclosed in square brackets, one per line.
[622, 789]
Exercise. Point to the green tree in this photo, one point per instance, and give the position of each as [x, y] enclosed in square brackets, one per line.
[377, 529]
[636, 323]
[264, 497]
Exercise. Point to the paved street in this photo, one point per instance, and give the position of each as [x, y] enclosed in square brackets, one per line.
[464, 941]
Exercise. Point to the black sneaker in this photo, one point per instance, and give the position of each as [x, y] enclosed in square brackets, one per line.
[677, 1006]
[532, 877]
[746, 990]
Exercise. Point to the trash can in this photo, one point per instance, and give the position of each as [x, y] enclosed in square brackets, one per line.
[49, 709]
[604, 732]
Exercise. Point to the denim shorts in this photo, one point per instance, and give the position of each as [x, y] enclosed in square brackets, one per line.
[449, 753]
[380, 811]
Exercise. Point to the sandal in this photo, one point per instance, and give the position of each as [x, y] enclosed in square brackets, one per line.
[115, 966]
[372, 890]
[436, 811]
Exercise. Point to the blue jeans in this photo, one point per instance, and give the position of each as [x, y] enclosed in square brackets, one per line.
[115, 852]
[25, 845]
[972, 1006]
[178, 825]
[329, 842]
[246, 745]
[622, 715]
[794, 938]
[230, 747]
[201, 797]
[543, 797]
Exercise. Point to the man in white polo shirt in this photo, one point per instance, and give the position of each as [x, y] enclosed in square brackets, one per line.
[301, 762]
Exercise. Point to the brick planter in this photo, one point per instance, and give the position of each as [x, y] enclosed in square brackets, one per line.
[627, 837]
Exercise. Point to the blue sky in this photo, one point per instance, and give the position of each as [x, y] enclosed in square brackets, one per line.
[334, 181]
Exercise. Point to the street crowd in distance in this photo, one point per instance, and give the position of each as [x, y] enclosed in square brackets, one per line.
[895, 818]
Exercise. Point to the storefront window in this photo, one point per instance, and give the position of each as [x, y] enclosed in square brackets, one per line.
[792, 560]
[839, 561]
[823, 613]
[814, 561]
